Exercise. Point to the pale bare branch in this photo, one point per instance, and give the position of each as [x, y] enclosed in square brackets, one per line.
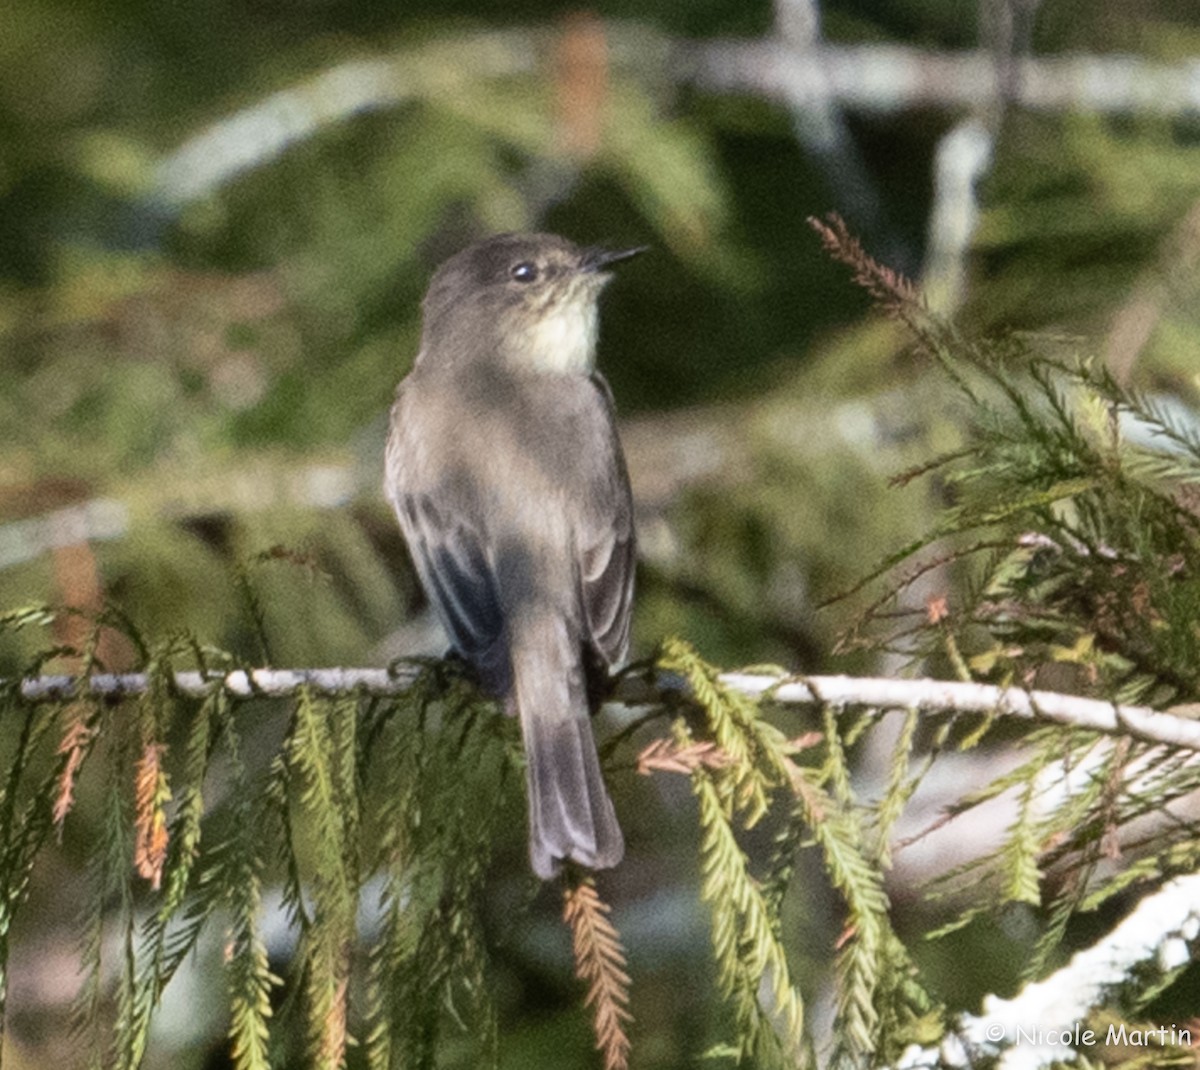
[872, 693]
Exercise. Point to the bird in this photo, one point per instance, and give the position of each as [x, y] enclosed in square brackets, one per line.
[507, 476]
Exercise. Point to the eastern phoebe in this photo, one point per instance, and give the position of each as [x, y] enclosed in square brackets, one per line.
[505, 470]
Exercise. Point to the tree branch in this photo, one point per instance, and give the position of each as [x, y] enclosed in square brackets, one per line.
[888, 78]
[1043, 1023]
[804, 76]
[928, 696]
[934, 696]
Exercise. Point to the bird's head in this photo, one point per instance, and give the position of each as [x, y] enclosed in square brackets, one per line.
[527, 301]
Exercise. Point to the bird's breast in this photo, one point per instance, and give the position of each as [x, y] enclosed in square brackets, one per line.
[560, 341]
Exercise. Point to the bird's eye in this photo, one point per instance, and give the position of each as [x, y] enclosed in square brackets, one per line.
[525, 271]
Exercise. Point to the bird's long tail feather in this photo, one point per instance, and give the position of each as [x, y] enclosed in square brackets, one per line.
[570, 812]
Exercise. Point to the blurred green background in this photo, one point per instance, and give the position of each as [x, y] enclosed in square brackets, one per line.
[216, 223]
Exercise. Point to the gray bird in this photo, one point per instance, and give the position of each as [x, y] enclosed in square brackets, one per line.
[505, 471]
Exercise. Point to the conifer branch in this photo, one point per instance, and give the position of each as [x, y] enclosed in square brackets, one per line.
[171, 933]
[751, 960]
[944, 696]
[757, 749]
[326, 795]
[600, 962]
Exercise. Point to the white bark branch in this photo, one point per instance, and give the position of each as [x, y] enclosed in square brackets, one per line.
[819, 123]
[257, 134]
[1045, 1023]
[811, 77]
[1141, 722]
[930, 696]
[888, 78]
[269, 683]
[964, 156]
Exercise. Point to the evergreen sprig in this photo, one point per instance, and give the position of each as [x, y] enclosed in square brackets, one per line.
[835, 822]
[1073, 515]
[758, 764]
[320, 752]
[752, 964]
[875, 977]
[746, 942]
[172, 929]
[435, 842]
[239, 870]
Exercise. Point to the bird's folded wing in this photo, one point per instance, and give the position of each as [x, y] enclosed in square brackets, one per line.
[460, 582]
[604, 538]
[606, 574]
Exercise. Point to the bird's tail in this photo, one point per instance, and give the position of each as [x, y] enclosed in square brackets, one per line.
[570, 812]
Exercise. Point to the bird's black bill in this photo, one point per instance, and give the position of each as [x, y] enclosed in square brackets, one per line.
[598, 259]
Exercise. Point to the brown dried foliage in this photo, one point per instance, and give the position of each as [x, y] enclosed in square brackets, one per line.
[74, 745]
[892, 292]
[333, 1031]
[668, 756]
[937, 608]
[150, 819]
[600, 961]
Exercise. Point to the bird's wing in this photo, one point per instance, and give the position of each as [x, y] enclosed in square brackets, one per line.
[608, 567]
[606, 544]
[460, 582]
